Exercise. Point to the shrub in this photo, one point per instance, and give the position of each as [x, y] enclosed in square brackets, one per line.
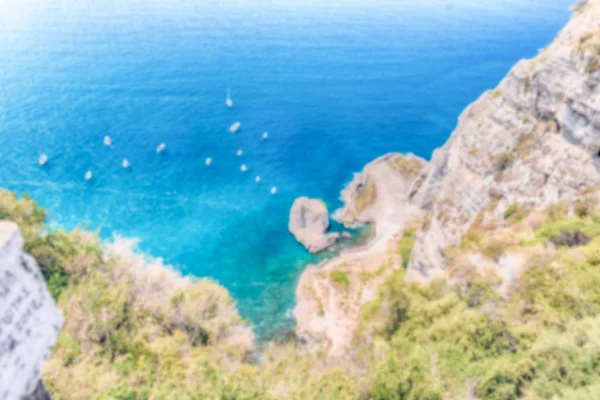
[405, 246]
[366, 196]
[136, 329]
[340, 277]
[511, 210]
[571, 239]
[553, 229]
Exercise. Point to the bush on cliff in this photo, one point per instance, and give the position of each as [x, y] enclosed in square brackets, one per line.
[135, 329]
[537, 341]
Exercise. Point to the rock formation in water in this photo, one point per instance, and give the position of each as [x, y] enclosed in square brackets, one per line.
[29, 319]
[532, 141]
[309, 221]
[331, 295]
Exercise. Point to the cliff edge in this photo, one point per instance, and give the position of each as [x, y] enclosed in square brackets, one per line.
[534, 140]
[29, 320]
[531, 142]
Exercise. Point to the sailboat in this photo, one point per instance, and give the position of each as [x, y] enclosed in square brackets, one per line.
[160, 148]
[126, 163]
[235, 127]
[43, 159]
[229, 102]
[88, 175]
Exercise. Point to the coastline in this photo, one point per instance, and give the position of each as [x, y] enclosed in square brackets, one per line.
[329, 295]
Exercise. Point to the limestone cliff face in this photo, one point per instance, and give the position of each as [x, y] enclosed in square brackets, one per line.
[534, 140]
[29, 319]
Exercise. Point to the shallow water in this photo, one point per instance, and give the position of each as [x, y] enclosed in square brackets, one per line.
[335, 84]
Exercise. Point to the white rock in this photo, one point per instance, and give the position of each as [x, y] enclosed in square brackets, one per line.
[309, 221]
[29, 320]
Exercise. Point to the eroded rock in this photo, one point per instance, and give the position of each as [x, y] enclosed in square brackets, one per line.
[29, 320]
[309, 222]
[534, 140]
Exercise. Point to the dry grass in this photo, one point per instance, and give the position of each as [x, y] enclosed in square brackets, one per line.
[366, 196]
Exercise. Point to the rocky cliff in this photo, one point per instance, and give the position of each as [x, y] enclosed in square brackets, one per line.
[29, 319]
[532, 141]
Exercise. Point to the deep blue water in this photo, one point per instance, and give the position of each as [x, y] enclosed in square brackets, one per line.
[335, 83]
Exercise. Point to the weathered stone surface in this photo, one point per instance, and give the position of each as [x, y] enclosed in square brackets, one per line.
[381, 190]
[309, 221]
[328, 305]
[29, 319]
[39, 393]
[328, 310]
[534, 140]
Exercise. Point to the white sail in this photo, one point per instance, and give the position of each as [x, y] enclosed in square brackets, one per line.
[229, 102]
[235, 127]
[43, 159]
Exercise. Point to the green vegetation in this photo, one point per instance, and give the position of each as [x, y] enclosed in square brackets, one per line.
[340, 277]
[405, 246]
[536, 342]
[134, 329]
[593, 65]
[511, 210]
[585, 37]
[552, 229]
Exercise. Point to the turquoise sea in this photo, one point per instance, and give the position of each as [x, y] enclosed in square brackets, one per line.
[334, 83]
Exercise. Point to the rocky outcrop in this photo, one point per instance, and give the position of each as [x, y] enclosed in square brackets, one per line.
[329, 297]
[39, 393]
[309, 221]
[381, 191]
[29, 319]
[534, 140]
